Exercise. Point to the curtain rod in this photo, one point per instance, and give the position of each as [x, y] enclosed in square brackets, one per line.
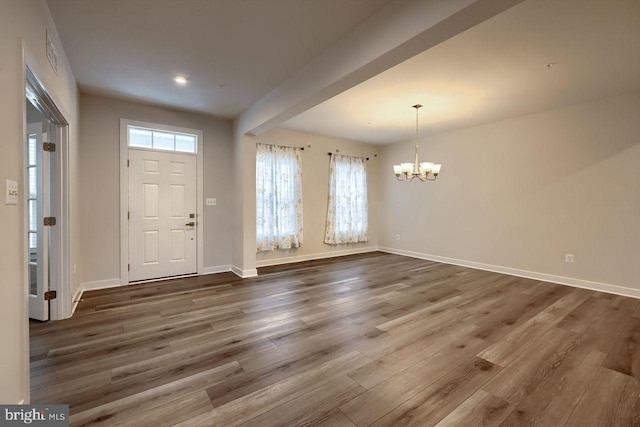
[338, 151]
[290, 146]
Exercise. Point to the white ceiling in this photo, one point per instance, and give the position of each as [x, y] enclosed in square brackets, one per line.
[133, 48]
[494, 71]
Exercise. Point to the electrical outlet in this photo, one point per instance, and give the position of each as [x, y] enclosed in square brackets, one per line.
[75, 269]
[397, 237]
[12, 192]
[569, 258]
[211, 202]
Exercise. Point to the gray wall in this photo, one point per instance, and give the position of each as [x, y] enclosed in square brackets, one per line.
[26, 22]
[315, 193]
[100, 191]
[520, 193]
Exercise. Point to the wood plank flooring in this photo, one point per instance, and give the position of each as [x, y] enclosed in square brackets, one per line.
[373, 339]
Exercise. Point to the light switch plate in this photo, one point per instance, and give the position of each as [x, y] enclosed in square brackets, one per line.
[12, 192]
[211, 202]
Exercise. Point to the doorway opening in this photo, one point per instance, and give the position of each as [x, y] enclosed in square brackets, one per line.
[45, 148]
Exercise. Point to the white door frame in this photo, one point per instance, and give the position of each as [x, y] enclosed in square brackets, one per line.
[60, 259]
[124, 192]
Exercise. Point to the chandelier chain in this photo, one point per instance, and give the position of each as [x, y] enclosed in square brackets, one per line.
[417, 128]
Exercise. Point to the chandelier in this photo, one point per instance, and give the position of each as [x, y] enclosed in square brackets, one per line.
[426, 171]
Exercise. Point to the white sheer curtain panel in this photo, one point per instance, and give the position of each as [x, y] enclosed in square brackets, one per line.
[347, 220]
[278, 197]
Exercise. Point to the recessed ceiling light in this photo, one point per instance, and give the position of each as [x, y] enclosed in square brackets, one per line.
[220, 85]
[181, 80]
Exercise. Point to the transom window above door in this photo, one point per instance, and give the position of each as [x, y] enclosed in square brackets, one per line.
[156, 139]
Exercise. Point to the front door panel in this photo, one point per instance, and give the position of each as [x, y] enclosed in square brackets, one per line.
[162, 200]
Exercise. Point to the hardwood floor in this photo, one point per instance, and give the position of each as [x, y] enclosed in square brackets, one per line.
[372, 339]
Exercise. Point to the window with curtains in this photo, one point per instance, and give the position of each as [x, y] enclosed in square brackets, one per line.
[347, 220]
[278, 197]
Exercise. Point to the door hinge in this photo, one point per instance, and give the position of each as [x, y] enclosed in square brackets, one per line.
[128, 267]
[49, 146]
[49, 295]
[49, 221]
[128, 215]
[127, 162]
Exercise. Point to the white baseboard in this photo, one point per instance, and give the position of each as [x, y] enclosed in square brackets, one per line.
[561, 280]
[112, 283]
[92, 286]
[76, 298]
[245, 274]
[100, 284]
[311, 257]
[216, 269]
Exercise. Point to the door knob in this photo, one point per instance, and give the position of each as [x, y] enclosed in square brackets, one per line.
[190, 224]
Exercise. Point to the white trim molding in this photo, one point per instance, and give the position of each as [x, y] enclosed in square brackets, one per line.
[561, 280]
[244, 274]
[114, 283]
[311, 257]
[216, 269]
[76, 298]
[92, 286]
[100, 284]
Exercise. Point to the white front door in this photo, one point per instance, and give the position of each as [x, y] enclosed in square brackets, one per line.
[162, 215]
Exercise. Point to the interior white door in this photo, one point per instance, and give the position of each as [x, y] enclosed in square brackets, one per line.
[37, 233]
[162, 214]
